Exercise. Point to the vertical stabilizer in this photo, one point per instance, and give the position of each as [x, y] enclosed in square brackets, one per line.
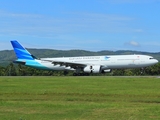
[20, 51]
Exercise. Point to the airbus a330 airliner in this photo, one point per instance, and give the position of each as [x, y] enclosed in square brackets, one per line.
[84, 64]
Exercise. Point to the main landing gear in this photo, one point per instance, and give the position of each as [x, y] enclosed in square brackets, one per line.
[143, 71]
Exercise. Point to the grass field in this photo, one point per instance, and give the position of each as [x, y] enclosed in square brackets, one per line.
[79, 98]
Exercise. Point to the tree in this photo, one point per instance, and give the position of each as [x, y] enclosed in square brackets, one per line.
[10, 70]
[2, 71]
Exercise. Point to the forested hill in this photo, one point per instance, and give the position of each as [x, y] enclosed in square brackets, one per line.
[7, 56]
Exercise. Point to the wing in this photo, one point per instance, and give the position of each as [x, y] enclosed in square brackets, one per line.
[67, 64]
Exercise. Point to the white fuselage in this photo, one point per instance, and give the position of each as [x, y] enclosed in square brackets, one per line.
[87, 64]
[107, 62]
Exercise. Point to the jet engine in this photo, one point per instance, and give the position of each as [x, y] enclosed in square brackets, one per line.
[92, 69]
[106, 71]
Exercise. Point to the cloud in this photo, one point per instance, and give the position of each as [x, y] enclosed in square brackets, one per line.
[139, 30]
[17, 15]
[41, 25]
[132, 43]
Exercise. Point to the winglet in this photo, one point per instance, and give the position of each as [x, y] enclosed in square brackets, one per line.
[20, 51]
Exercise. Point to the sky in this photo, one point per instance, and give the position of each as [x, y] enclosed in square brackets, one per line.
[92, 25]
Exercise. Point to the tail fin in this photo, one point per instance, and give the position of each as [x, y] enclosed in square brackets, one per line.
[21, 52]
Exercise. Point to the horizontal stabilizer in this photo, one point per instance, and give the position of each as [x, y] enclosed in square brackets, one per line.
[19, 62]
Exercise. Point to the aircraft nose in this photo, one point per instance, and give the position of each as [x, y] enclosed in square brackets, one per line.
[153, 61]
[156, 61]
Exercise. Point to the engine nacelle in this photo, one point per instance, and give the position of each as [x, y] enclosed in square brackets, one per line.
[106, 71]
[92, 69]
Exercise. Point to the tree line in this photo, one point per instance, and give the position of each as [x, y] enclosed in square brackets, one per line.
[21, 70]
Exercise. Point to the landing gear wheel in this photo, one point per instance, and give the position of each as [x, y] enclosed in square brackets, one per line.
[142, 71]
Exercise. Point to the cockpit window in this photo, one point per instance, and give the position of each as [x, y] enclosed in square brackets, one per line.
[151, 58]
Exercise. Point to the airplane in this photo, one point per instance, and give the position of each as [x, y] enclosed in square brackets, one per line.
[82, 65]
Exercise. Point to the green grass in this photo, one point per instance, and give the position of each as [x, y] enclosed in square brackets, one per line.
[79, 98]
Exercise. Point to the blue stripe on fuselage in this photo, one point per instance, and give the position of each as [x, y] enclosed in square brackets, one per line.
[34, 64]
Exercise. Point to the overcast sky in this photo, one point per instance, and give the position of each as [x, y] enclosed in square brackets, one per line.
[81, 24]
